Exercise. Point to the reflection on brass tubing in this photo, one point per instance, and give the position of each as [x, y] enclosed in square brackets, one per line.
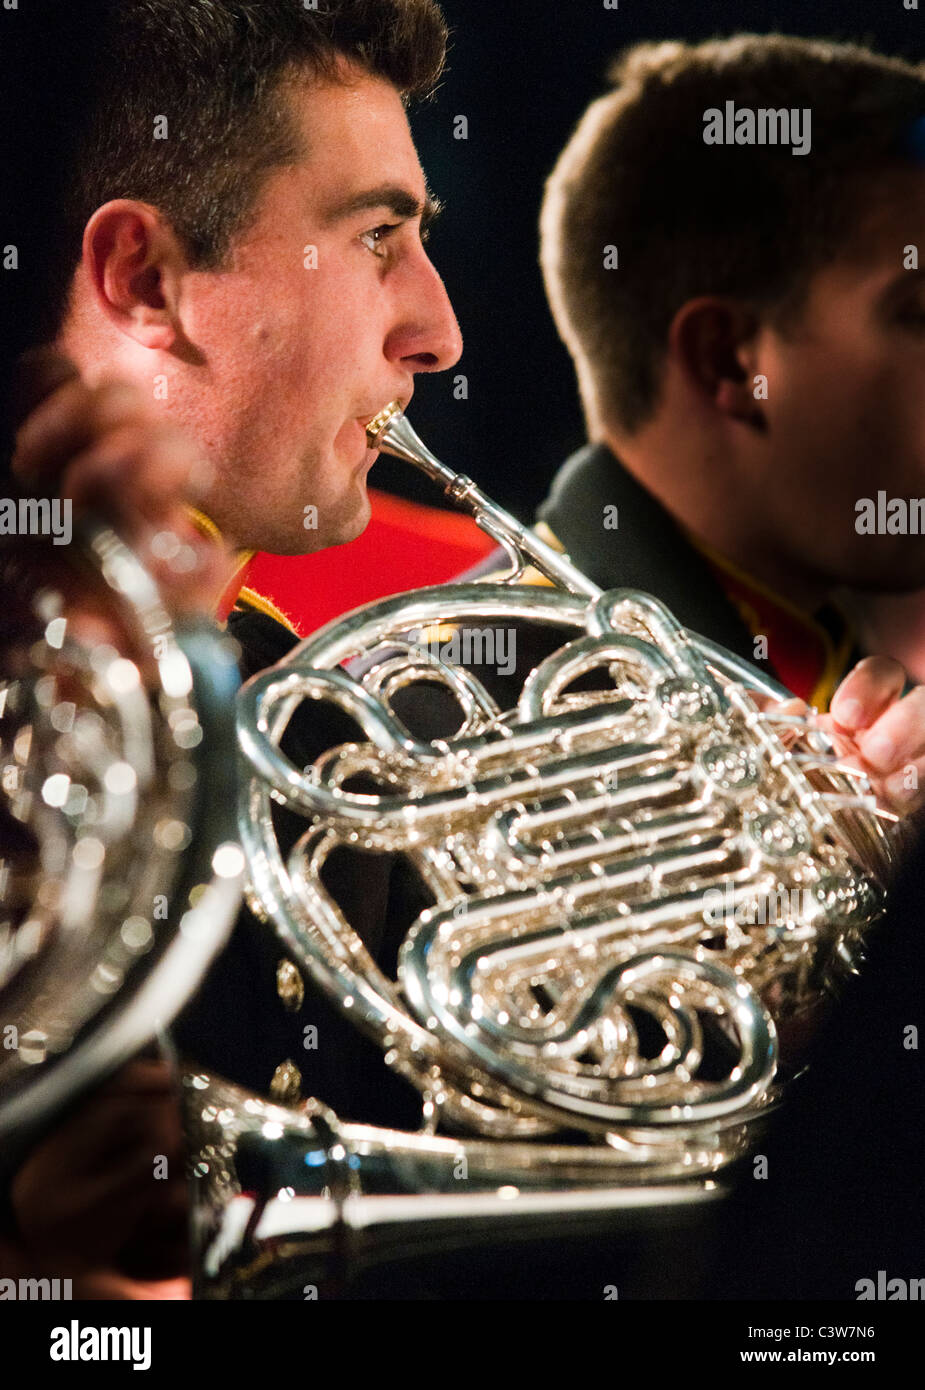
[570, 845]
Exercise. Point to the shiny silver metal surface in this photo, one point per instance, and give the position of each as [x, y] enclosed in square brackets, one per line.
[121, 872]
[298, 1205]
[640, 871]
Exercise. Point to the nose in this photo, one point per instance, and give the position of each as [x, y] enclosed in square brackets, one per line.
[426, 336]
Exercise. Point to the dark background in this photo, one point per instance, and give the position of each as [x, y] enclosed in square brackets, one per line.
[523, 71]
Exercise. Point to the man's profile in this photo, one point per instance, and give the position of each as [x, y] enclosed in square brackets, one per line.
[746, 333]
[242, 243]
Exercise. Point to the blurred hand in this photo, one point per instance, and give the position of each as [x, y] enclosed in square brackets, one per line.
[111, 450]
[87, 1201]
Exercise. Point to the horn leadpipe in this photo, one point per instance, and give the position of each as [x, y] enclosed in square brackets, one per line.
[391, 433]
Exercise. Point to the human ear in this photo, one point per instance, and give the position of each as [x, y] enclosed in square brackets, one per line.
[711, 340]
[134, 263]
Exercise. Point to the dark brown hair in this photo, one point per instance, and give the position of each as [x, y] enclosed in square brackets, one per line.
[687, 218]
[217, 69]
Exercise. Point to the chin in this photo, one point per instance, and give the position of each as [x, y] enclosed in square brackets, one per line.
[359, 519]
[342, 529]
[339, 521]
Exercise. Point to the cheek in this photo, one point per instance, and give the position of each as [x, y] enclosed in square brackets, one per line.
[823, 407]
[863, 423]
[276, 319]
[315, 336]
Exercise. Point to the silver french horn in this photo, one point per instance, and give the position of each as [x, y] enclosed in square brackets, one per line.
[642, 875]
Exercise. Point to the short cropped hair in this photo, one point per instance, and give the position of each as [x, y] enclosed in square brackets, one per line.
[216, 69]
[684, 218]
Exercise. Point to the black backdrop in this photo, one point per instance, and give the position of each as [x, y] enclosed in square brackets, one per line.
[522, 72]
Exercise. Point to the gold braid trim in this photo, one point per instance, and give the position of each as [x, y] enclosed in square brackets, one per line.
[267, 607]
[207, 527]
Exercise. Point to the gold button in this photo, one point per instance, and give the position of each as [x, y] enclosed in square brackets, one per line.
[286, 1085]
[289, 985]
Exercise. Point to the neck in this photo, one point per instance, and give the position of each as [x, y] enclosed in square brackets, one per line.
[706, 499]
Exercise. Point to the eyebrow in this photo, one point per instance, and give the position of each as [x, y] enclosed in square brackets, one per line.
[398, 200]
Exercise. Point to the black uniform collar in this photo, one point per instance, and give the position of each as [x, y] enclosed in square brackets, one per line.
[647, 551]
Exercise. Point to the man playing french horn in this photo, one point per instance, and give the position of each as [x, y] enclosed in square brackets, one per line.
[223, 365]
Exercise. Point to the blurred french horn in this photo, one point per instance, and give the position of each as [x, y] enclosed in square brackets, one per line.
[120, 870]
[641, 869]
